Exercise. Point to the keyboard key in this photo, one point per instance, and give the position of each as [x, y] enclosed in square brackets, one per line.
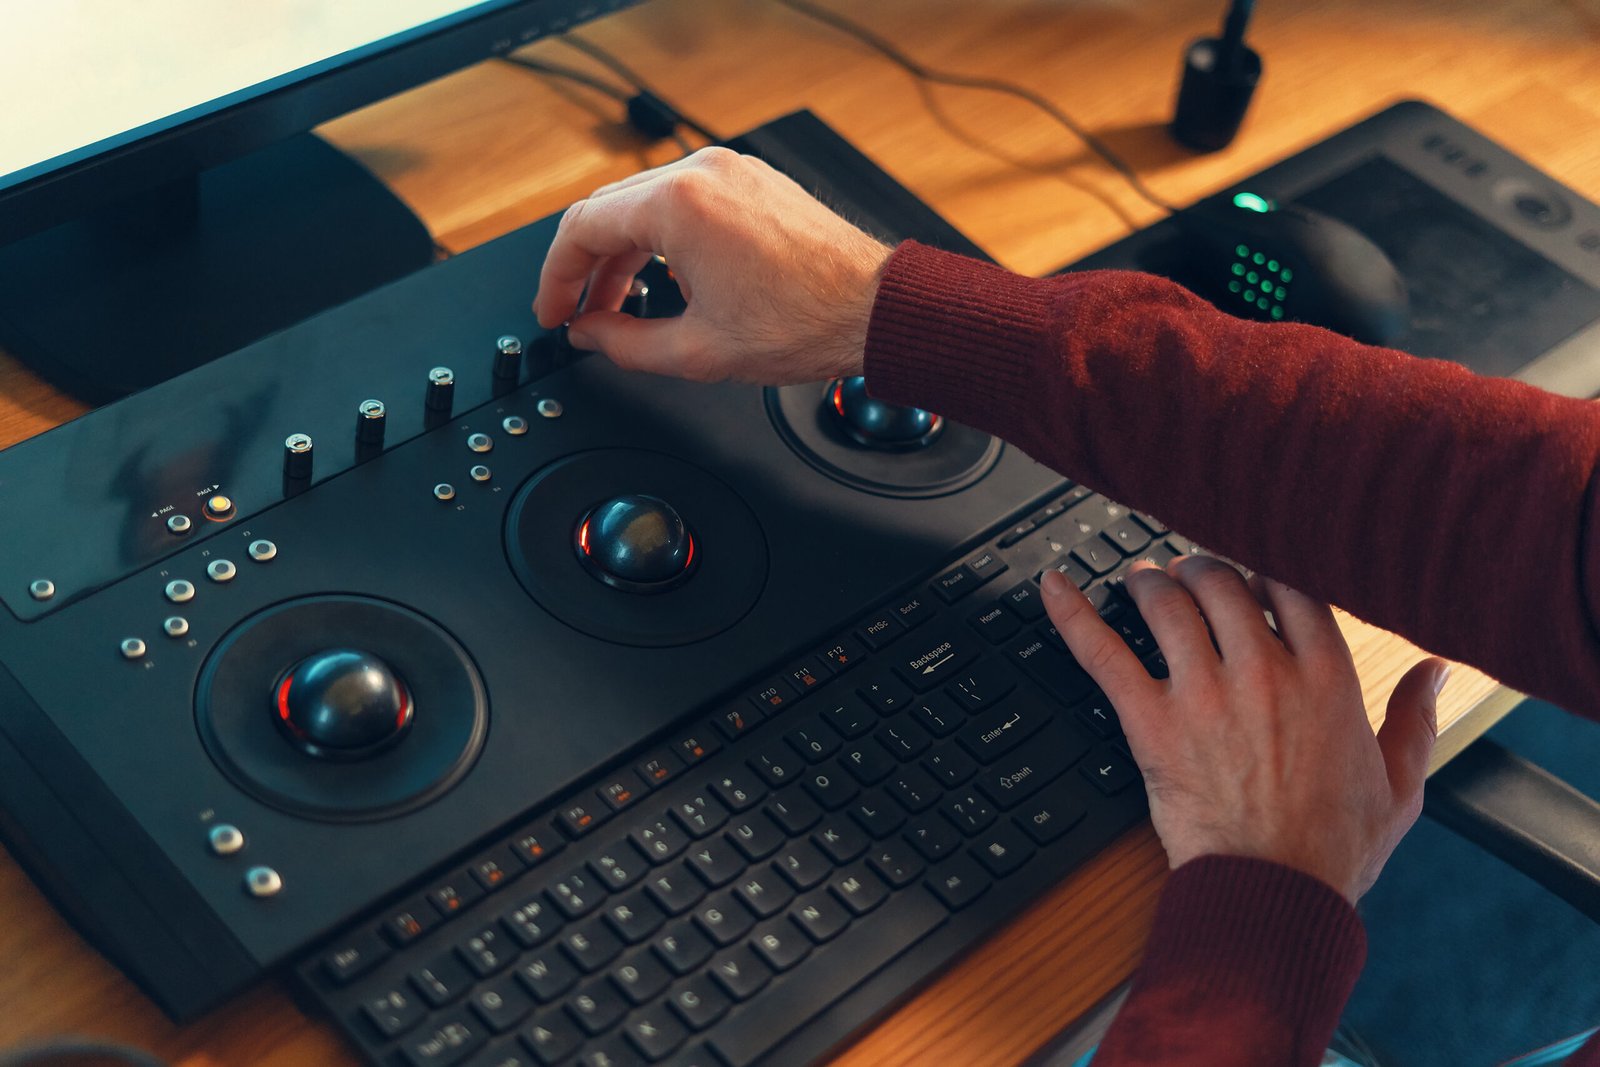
[819, 916]
[635, 917]
[795, 811]
[597, 1006]
[868, 761]
[739, 790]
[407, 924]
[914, 788]
[622, 789]
[814, 743]
[777, 763]
[655, 1033]
[968, 812]
[354, 957]
[953, 585]
[699, 1002]
[879, 629]
[1055, 671]
[913, 611]
[1051, 813]
[850, 716]
[949, 765]
[858, 889]
[700, 815]
[1016, 533]
[609, 1051]
[696, 746]
[641, 978]
[502, 1005]
[675, 890]
[933, 658]
[1110, 770]
[659, 840]
[829, 785]
[844, 653]
[394, 1011]
[683, 948]
[757, 837]
[876, 814]
[994, 622]
[933, 837]
[760, 1024]
[985, 565]
[1096, 554]
[552, 1037]
[740, 972]
[495, 872]
[723, 920]
[716, 862]
[442, 981]
[938, 714]
[802, 865]
[1024, 601]
[485, 951]
[1100, 716]
[763, 892]
[591, 946]
[779, 944]
[577, 894]
[453, 896]
[1020, 775]
[1126, 535]
[840, 840]
[885, 694]
[661, 765]
[807, 675]
[986, 682]
[580, 818]
[958, 882]
[1003, 849]
[531, 923]
[994, 733]
[1075, 572]
[904, 739]
[547, 975]
[450, 1041]
[896, 864]
[734, 723]
[619, 866]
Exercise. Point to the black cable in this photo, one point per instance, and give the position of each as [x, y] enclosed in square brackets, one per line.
[963, 81]
[623, 71]
[578, 76]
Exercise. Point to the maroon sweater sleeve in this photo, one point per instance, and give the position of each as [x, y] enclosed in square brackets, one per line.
[1450, 508]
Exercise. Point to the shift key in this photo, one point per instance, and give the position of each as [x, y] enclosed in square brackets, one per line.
[929, 659]
[1002, 728]
[752, 1029]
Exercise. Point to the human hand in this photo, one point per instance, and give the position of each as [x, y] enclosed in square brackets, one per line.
[779, 288]
[1263, 748]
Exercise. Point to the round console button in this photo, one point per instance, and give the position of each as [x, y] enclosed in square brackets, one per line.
[132, 648]
[42, 589]
[180, 591]
[263, 550]
[180, 524]
[515, 425]
[480, 442]
[221, 570]
[262, 882]
[480, 473]
[444, 491]
[225, 839]
[219, 507]
[176, 626]
[550, 408]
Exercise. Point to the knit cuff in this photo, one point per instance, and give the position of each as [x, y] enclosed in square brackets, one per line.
[939, 316]
[1251, 930]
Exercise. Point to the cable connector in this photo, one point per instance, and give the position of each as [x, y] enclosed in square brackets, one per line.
[652, 116]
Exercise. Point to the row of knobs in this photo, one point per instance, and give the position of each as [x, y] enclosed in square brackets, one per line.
[372, 415]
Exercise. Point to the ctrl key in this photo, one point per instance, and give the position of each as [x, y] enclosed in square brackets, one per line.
[450, 1042]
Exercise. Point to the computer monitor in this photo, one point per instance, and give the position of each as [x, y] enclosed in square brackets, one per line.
[162, 202]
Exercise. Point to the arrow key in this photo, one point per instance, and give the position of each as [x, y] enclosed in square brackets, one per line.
[1109, 769]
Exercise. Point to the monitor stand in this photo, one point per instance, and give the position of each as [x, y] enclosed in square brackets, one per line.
[161, 282]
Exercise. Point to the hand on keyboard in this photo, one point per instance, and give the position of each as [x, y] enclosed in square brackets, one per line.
[1258, 744]
[779, 288]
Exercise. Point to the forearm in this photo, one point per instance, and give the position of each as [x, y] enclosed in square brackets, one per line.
[1447, 507]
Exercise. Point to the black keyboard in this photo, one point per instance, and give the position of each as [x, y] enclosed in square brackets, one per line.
[739, 879]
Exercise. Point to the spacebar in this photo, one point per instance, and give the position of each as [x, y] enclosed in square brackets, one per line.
[751, 1030]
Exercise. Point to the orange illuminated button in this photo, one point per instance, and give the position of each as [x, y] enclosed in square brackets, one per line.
[219, 507]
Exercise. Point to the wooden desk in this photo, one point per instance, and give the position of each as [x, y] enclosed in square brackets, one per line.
[489, 149]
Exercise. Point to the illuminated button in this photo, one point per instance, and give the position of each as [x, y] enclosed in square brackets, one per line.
[225, 839]
[221, 570]
[480, 442]
[480, 473]
[262, 882]
[176, 626]
[219, 507]
[515, 425]
[180, 591]
[550, 408]
[444, 491]
[180, 524]
[133, 648]
[262, 551]
[42, 589]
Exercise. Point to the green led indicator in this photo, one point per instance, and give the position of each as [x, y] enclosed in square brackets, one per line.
[1272, 264]
[1258, 259]
[1233, 287]
[1252, 202]
[1280, 293]
[1288, 275]
[1262, 303]
[1241, 251]
[1277, 312]
[1252, 277]
[1238, 270]
[1266, 285]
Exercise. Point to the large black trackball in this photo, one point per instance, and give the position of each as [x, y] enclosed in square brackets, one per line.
[877, 424]
[343, 704]
[636, 543]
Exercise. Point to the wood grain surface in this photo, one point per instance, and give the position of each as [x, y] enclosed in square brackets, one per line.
[486, 150]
